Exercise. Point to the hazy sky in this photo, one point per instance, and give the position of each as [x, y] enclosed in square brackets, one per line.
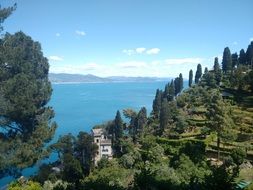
[133, 37]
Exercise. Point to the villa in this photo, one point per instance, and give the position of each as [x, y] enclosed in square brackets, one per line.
[104, 143]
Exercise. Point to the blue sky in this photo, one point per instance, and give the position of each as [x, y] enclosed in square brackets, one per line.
[133, 37]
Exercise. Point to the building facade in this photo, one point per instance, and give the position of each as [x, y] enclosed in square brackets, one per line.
[104, 143]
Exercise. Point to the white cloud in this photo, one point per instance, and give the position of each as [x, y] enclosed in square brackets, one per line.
[132, 64]
[153, 51]
[235, 43]
[183, 61]
[140, 50]
[57, 34]
[128, 51]
[155, 68]
[55, 58]
[251, 39]
[80, 33]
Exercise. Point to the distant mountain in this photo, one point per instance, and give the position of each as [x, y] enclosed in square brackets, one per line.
[78, 78]
[136, 79]
[72, 78]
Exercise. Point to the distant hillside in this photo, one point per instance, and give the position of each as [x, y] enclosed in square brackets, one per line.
[72, 78]
[68, 78]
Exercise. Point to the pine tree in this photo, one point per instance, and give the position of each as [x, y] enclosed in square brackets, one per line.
[5, 13]
[198, 73]
[190, 77]
[226, 60]
[218, 116]
[25, 91]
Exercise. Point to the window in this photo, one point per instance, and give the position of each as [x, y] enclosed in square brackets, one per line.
[97, 140]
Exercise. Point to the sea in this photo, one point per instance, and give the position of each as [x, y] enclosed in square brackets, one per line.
[80, 106]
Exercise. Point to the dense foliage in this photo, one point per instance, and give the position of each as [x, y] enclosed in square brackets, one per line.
[193, 139]
[25, 118]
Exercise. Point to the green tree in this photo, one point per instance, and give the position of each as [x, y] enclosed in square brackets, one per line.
[218, 116]
[171, 91]
[5, 13]
[190, 77]
[242, 57]
[249, 54]
[157, 103]
[141, 120]
[72, 170]
[226, 60]
[198, 73]
[24, 185]
[118, 132]
[181, 82]
[168, 115]
[25, 118]
[64, 145]
[235, 60]
[217, 71]
[85, 150]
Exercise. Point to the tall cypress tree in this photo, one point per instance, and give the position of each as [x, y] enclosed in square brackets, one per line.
[198, 73]
[217, 71]
[171, 92]
[226, 60]
[249, 54]
[190, 77]
[181, 82]
[234, 60]
[177, 85]
[242, 57]
[118, 133]
[157, 103]
[118, 126]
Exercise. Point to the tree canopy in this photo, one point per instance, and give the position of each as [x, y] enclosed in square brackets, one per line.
[25, 118]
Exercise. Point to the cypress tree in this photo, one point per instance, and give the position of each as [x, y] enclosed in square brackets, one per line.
[141, 120]
[190, 77]
[249, 54]
[177, 85]
[198, 73]
[242, 57]
[234, 60]
[226, 60]
[171, 92]
[181, 82]
[206, 70]
[118, 126]
[157, 103]
[118, 133]
[217, 71]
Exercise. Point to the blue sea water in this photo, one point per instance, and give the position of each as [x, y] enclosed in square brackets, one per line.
[78, 107]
